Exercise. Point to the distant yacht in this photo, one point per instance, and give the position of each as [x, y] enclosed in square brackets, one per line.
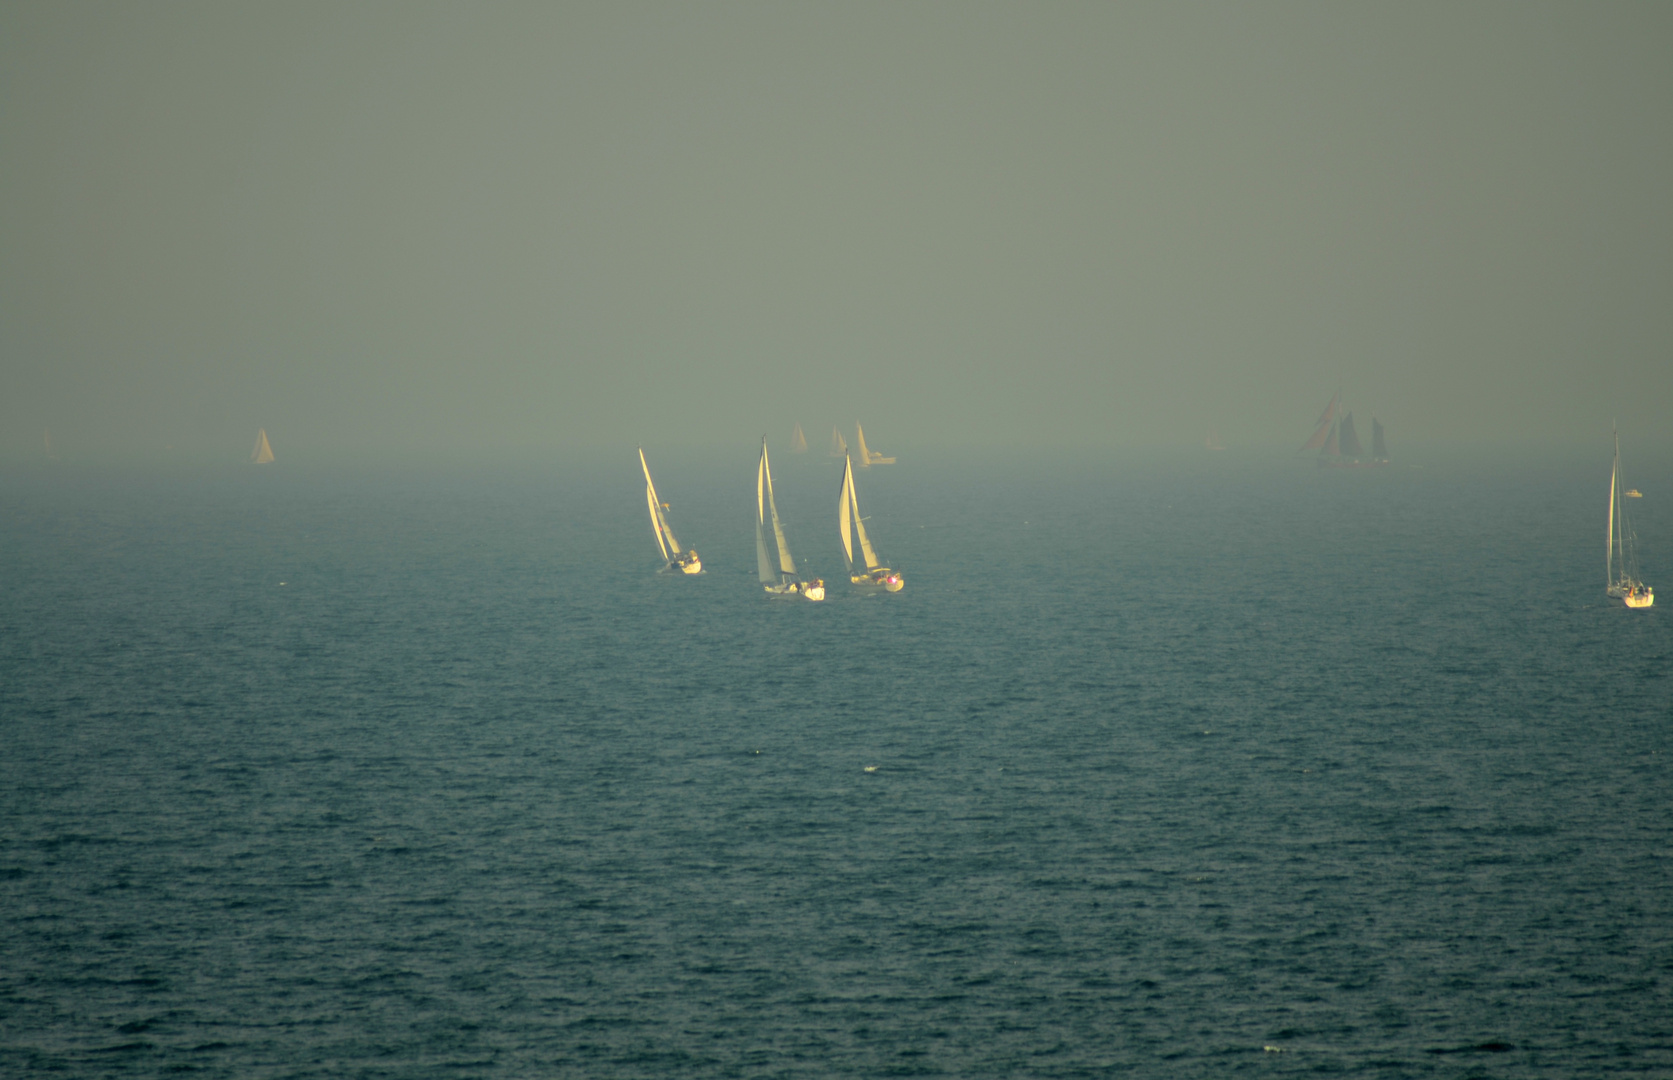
[870, 572]
[798, 441]
[672, 557]
[839, 445]
[263, 453]
[1623, 544]
[774, 566]
[1337, 441]
[868, 457]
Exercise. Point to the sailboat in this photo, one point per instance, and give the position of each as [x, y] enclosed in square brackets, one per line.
[774, 566]
[798, 441]
[1623, 542]
[263, 453]
[870, 573]
[687, 561]
[1211, 441]
[839, 445]
[1337, 440]
[867, 457]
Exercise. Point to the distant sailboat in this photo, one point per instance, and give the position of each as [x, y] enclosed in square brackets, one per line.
[774, 566]
[839, 445]
[869, 572]
[1337, 440]
[263, 453]
[687, 561]
[1211, 441]
[798, 441]
[867, 457]
[1623, 543]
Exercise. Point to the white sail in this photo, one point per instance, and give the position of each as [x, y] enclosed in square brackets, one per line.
[763, 562]
[659, 525]
[1614, 485]
[866, 551]
[263, 453]
[839, 445]
[798, 441]
[845, 502]
[786, 564]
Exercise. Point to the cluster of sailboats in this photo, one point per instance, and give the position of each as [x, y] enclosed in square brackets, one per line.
[775, 565]
[1338, 443]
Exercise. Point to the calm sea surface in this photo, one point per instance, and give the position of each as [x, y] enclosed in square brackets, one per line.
[1200, 769]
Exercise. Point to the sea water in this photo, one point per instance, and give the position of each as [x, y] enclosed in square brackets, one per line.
[1185, 768]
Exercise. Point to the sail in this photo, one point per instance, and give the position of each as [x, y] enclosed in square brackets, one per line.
[659, 514]
[1326, 419]
[263, 453]
[786, 564]
[798, 441]
[1379, 449]
[845, 513]
[1349, 440]
[866, 550]
[868, 457]
[763, 562]
[1331, 448]
[1614, 484]
[839, 445]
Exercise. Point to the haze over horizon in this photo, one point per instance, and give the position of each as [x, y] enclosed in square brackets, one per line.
[489, 229]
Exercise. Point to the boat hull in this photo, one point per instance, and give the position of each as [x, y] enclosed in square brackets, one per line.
[695, 566]
[892, 582]
[1640, 599]
[812, 590]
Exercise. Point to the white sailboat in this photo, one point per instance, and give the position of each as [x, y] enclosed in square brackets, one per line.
[263, 453]
[798, 441]
[1623, 544]
[774, 566]
[687, 561]
[839, 445]
[869, 572]
[868, 458]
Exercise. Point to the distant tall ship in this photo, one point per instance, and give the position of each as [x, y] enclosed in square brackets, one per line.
[1337, 441]
[798, 441]
[868, 457]
[263, 453]
[1623, 545]
[868, 571]
[773, 563]
[687, 561]
[839, 445]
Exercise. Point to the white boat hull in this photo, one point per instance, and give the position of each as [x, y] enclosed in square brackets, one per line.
[1642, 598]
[695, 566]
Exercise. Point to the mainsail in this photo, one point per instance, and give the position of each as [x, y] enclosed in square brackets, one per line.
[1326, 422]
[839, 445]
[798, 441]
[848, 510]
[868, 457]
[766, 509]
[1379, 449]
[1349, 440]
[263, 453]
[669, 546]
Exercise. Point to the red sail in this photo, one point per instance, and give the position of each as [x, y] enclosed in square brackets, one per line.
[1325, 421]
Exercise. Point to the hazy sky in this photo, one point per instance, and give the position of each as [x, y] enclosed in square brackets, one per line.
[482, 229]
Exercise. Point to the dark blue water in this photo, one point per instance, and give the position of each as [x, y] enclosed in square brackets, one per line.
[1185, 770]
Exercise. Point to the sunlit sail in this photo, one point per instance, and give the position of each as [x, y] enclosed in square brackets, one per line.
[798, 441]
[774, 566]
[263, 453]
[839, 445]
[868, 457]
[868, 570]
[1621, 563]
[686, 561]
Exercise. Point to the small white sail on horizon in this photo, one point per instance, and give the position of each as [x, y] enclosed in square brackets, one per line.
[672, 556]
[839, 445]
[775, 568]
[851, 527]
[798, 441]
[263, 453]
[1623, 543]
[868, 458]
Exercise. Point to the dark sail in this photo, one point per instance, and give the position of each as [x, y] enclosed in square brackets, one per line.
[1350, 441]
[1330, 448]
[1379, 449]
